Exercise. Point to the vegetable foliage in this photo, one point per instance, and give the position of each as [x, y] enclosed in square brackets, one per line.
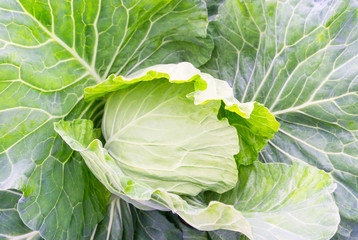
[130, 168]
[61, 63]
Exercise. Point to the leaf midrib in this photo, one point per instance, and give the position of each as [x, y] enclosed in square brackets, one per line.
[64, 45]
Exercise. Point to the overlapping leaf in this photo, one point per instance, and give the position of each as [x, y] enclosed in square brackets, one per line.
[299, 59]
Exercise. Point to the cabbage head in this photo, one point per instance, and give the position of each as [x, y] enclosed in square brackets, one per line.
[176, 139]
[157, 135]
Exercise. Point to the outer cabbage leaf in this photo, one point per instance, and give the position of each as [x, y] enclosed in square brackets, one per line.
[49, 52]
[117, 223]
[299, 59]
[276, 196]
[266, 194]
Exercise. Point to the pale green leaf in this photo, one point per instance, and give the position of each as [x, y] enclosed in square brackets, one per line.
[284, 202]
[181, 154]
[206, 88]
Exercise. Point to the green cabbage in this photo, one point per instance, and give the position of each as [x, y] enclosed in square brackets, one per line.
[177, 139]
[158, 136]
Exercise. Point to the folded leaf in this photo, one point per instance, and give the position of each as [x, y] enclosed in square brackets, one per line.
[253, 132]
[275, 197]
[206, 88]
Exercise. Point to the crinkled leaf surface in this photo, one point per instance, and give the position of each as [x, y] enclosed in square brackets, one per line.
[49, 52]
[299, 59]
[275, 199]
[207, 88]
[11, 226]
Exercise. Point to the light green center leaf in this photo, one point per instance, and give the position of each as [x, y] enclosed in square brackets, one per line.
[158, 136]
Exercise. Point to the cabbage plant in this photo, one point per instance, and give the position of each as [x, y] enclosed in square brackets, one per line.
[289, 62]
[171, 143]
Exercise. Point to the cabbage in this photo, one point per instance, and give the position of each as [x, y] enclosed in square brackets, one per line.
[158, 136]
[177, 139]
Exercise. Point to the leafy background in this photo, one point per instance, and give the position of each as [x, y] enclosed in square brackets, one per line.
[298, 58]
